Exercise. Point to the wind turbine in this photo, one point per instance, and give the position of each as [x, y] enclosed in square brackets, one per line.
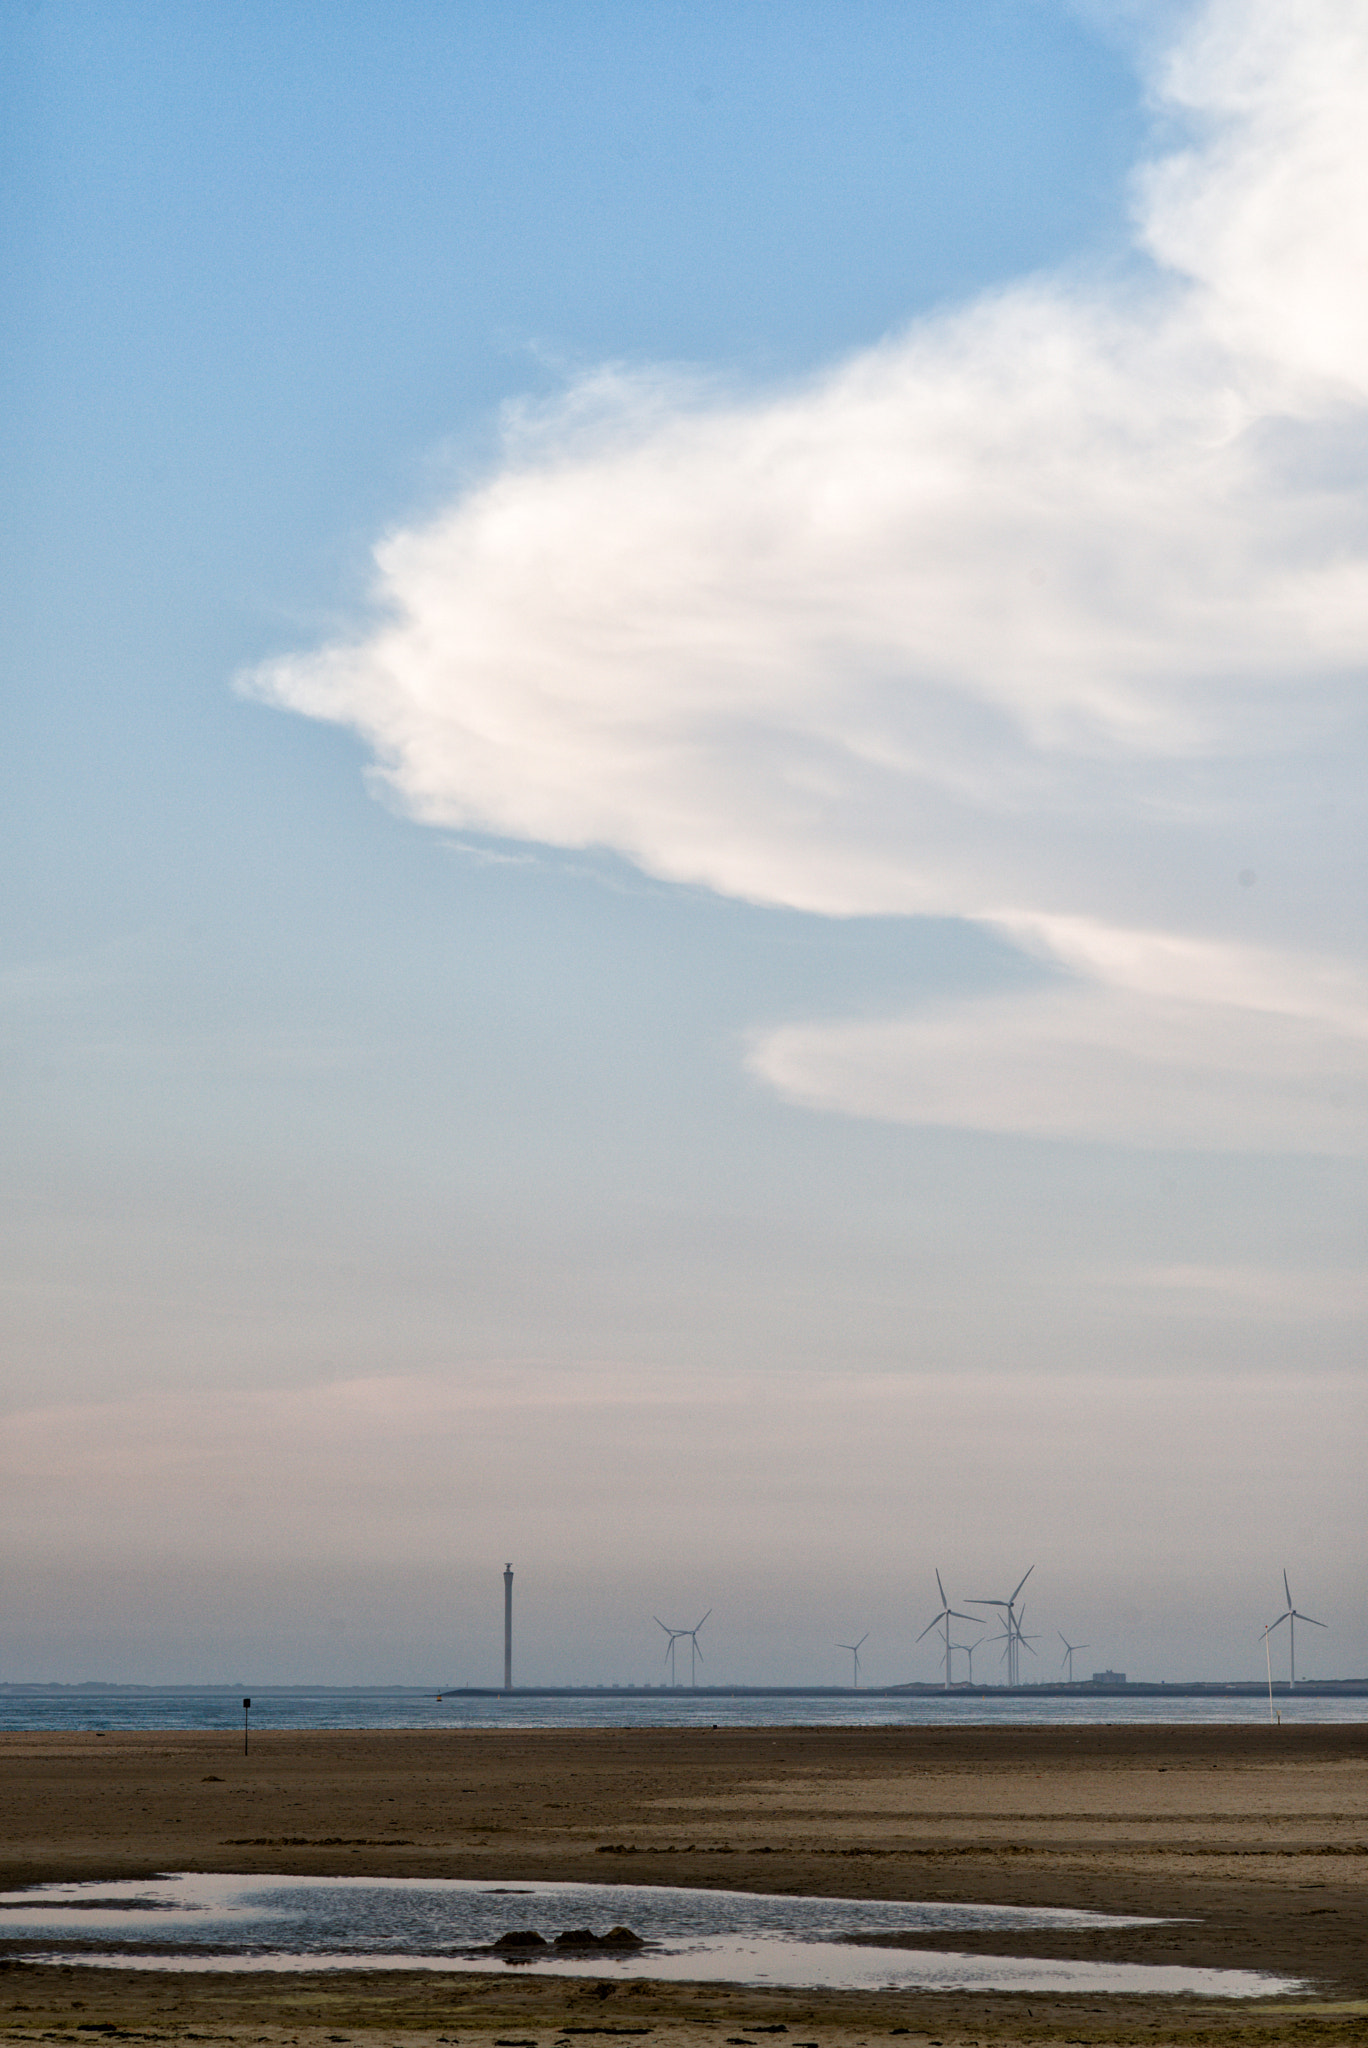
[1292, 1617]
[1013, 1639]
[854, 1649]
[679, 1635]
[674, 1634]
[968, 1649]
[946, 1614]
[1069, 1649]
[1021, 1634]
[1013, 1627]
[694, 1652]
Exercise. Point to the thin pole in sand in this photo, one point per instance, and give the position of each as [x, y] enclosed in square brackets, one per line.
[246, 1710]
[1268, 1660]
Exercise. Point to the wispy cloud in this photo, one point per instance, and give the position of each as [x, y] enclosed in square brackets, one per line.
[489, 856]
[1153, 1039]
[1251, 1294]
[1050, 612]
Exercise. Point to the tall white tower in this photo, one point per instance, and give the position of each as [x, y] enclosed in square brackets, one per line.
[508, 1628]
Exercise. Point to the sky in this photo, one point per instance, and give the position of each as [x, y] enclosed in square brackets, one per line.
[682, 822]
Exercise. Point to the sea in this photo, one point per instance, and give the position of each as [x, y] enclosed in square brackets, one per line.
[100, 1711]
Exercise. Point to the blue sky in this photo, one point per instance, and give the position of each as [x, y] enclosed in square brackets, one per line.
[793, 1009]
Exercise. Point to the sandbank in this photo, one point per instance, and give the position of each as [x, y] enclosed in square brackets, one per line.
[1252, 1842]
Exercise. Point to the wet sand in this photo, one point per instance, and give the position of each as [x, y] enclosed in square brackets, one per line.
[1254, 1839]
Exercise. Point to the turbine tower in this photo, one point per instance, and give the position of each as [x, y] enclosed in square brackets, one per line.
[1291, 1616]
[945, 1615]
[1013, 1631]
[508, 1628]
[1069, 1649]
[854, 1649]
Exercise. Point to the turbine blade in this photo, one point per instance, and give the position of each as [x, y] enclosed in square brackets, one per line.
[698, 1625]
[932, 1624]
[941, 1590]
[1313, 1621]
[1286, 1588]
[1025, 1575]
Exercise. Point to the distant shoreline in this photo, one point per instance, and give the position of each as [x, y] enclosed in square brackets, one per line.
[1333, 1688]
[1082, 1689]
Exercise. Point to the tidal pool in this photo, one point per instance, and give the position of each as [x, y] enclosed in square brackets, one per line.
[195, 1921]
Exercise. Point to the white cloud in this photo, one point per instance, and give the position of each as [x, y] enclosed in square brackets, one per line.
[1047, 612]
[1268, 213]
[1160, 1040]
[1095, 1061]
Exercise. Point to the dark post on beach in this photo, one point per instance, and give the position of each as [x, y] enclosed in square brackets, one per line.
[246, 1710]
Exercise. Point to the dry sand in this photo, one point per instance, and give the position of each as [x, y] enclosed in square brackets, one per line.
[1257, 1838]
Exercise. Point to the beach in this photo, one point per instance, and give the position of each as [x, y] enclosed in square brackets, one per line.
[1250, 1842]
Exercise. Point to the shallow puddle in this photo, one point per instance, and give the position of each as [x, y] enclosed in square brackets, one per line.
[192, 1921]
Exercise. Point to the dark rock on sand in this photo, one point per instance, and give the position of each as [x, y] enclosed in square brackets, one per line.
[620, 1938]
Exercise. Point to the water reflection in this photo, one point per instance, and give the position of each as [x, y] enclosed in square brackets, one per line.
[195, 1921]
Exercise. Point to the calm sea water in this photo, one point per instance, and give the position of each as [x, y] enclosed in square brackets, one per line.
[337, 1707]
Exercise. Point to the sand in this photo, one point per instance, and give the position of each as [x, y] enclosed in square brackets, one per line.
[1254, 1838]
